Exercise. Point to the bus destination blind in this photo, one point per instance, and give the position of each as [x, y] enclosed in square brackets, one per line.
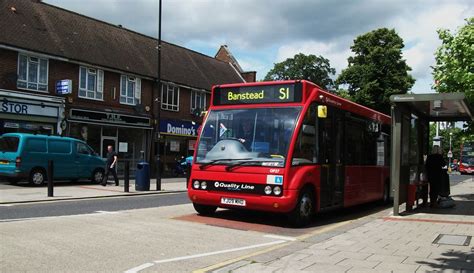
[281, 93]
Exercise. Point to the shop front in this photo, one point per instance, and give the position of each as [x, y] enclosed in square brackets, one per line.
[35, 114]
[128, 135]
[178, 138]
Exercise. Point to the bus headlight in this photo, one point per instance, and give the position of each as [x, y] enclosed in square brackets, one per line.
[268, 190]
[277, 190]
[196, 184]
[203, 185]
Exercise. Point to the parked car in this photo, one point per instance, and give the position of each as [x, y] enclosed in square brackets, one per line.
[26, 156]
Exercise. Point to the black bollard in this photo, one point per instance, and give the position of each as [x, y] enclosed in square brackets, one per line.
[126, 184]
[50, 178]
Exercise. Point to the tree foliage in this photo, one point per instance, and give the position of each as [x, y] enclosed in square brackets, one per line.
[377, 70]
[458, 136]
[304, 67]
[454, 68]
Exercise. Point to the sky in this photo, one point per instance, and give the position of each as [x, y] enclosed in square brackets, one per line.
[260, 33]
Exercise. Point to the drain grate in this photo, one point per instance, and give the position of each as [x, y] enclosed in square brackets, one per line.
[457, 240]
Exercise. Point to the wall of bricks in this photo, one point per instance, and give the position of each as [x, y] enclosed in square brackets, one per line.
[60, 70]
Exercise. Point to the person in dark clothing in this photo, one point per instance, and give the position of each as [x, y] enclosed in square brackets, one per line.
[434, 172]
[246, 135]
[112, 159]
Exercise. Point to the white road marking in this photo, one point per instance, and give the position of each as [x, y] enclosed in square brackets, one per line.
[106, 212]
[139, 268]
[143, 266]
[95, 213]
[286, 238]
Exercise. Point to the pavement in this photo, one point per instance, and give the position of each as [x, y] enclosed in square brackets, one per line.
[381, 243]
[24, 193]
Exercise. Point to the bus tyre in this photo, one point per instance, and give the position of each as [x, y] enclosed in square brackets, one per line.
[304, 209]
[204, 209]
[37, 177]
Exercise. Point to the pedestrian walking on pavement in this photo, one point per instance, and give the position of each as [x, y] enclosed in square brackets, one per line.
[434, 171]
[112, 159]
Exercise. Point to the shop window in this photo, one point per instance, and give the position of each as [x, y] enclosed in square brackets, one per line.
[198, 100]
[91, 83]
[130, 90]
[169, 97]
[32, 73]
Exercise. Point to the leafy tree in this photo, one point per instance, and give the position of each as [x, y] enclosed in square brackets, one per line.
[304, 67]
[377, 70]
[454, 69]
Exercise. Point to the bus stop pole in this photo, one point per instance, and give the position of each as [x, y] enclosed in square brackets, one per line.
[396, 159]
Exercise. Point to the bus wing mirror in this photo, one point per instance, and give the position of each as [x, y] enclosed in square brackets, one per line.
[322, 111]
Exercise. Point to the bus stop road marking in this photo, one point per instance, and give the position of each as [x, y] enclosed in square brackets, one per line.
[182, 258]
[227, 222]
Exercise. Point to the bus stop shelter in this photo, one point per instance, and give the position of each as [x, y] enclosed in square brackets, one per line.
[411, 114]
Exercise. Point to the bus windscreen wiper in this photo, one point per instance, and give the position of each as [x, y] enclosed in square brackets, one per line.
[212, 162]
[251, 162]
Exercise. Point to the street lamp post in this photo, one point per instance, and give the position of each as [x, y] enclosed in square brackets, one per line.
[158, 150]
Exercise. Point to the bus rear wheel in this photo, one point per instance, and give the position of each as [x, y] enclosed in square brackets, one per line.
[304, 209]
[204, 209]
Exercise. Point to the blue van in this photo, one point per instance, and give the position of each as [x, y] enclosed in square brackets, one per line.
[25, 156]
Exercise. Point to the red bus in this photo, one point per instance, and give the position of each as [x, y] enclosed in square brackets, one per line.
[466, 162]
[288, 147]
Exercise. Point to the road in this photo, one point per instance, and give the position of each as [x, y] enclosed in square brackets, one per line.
[159, 233]
[62, 208]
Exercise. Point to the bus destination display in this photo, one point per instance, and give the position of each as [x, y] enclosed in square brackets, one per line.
[258, 94]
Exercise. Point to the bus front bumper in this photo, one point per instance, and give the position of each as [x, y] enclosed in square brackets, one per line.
[281, 204]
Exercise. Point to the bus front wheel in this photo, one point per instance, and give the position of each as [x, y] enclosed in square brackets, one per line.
[304, 210]
[204, 209]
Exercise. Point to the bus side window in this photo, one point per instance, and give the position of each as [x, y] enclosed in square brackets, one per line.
[305, 152]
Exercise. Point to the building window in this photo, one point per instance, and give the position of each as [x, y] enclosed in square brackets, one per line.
[32, 73]
[130, 90]
[91, 83]
[170, 97]
[198, 100]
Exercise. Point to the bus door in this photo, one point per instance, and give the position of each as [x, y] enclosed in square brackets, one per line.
[331, 130]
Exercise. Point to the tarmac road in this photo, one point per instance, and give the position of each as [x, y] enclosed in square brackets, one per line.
[89, 206]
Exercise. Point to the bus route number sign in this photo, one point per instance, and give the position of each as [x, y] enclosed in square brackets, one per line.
[281, 93]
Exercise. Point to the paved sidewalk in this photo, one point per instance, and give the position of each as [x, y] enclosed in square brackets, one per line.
[381, 243]
[68, 190]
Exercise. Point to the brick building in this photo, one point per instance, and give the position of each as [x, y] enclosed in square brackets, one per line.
[111, 73]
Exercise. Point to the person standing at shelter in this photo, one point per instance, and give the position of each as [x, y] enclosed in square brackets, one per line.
[112, 159]
[434, 171]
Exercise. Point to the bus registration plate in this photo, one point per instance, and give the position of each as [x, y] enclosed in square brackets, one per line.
[233, 201]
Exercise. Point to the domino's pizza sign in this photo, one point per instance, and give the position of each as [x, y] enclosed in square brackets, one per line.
[64, 87]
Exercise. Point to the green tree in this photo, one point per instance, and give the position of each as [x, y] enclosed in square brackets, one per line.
[454, 68]
[377, 70]
[304, 67]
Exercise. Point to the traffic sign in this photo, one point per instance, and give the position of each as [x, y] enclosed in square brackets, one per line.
[450, 154]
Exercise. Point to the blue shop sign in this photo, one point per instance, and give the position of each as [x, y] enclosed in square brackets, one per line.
[64, 87]
[178, 127]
